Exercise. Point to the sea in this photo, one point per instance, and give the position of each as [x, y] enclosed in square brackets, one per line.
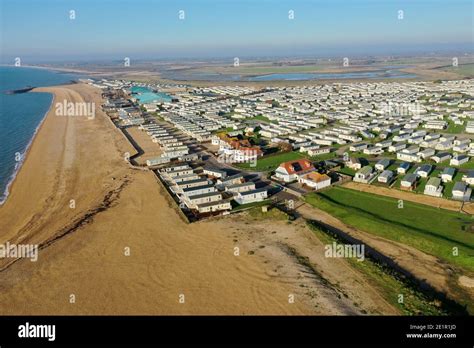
[21, 115]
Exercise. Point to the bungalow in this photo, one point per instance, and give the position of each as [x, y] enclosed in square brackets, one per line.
[364, 175]
[424, 170]
[441, 157]
[433, 187]
[403, 167]
[290, 171]
[409, 182]
[382, 164]
[447, 174]
[252, 196]
[457, 160]
[461, 191]
[315, 180]
[385, 177]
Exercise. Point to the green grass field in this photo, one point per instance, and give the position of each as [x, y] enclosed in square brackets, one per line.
[434, 231]
[347, 171]
[323, 157]
[271, 162]
[455, 128]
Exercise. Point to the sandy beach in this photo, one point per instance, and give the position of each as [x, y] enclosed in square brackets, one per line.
[122, 248]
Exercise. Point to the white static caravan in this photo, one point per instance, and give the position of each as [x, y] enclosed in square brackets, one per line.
[157, 161]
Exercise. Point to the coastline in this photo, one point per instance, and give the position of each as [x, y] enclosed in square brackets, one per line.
[4, 195]
[81, 249]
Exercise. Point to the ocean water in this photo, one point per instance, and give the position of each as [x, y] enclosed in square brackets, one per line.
[21, 115]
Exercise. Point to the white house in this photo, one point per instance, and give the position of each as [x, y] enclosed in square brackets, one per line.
[315, 180]
[289, 171]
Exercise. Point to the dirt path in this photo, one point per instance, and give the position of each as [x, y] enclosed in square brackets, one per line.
[413, 197]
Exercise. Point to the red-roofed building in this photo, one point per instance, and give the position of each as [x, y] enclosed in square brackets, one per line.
[291, 170]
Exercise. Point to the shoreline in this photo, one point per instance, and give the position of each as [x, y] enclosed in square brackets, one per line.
[24, 153]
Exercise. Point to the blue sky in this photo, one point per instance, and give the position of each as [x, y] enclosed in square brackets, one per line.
[108, 29]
